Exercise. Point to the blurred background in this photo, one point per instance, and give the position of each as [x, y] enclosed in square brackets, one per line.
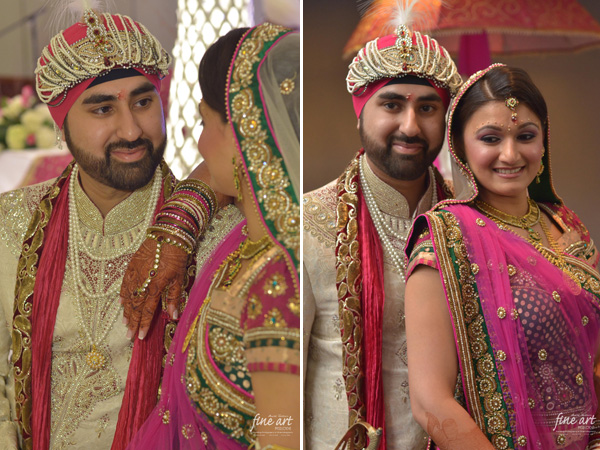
[568, 80]
[185, 29]
[330, 139]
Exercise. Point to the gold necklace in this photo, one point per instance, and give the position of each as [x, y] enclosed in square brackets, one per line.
[556, 259]
[247, 250]
[526, 222]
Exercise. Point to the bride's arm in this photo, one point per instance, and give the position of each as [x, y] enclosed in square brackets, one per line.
[433, 366]
[277, 397]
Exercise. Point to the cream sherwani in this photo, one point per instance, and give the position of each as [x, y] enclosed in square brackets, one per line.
[326, 405]
[84, 402]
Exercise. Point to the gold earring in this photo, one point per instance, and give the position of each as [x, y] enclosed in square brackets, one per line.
[236, 179]
[541, 171]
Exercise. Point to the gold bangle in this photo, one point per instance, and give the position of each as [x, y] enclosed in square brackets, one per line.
[170, 241]
[200, 186]
[173, 231]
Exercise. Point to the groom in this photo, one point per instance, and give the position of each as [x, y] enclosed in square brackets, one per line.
[355, 229]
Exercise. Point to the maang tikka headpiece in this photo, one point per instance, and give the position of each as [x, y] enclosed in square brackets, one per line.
[512, 103]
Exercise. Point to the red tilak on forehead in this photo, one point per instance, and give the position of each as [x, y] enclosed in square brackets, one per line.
[359, 101]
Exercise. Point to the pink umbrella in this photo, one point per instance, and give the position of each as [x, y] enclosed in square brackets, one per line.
[477, 29]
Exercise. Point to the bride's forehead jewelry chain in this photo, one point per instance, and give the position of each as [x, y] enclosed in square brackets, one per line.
[381, 226]
[512, 103]
[95, 358]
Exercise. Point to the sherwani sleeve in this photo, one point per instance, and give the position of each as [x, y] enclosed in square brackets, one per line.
[8, 428]
[308, 317]
[14, 217]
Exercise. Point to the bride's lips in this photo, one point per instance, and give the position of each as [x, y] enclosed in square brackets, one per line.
[509, 172]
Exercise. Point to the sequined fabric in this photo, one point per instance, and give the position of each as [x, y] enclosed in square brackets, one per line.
[252, 325]
[526, 332]
[81, 395]
[16, 208]
[84, 402]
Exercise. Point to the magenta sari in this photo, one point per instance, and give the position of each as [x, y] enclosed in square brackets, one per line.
[175, 423]
[526, 332]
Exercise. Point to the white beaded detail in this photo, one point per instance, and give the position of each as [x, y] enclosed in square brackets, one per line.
[426, 59]
[103, 48]
[383, 229]
[77, 246]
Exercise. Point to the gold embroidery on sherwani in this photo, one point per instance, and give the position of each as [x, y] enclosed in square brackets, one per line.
[15, 209]
[319, 214]
[348, 285]
[76, 387]
[21, 331]
[73, 379]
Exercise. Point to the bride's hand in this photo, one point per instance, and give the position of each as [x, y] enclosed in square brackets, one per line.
[165, 281]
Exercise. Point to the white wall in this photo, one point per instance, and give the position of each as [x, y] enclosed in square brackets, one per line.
[19, 50]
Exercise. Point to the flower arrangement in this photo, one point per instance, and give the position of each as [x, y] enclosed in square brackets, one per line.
[25, 123]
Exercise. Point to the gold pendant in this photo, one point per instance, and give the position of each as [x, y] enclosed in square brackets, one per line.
[95, 359]
[534, 235]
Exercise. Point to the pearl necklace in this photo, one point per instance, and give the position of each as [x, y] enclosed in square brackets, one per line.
[135, 243]
[383, 228]
[95, 358]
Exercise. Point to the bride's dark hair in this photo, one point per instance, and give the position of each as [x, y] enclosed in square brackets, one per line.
[212, 72]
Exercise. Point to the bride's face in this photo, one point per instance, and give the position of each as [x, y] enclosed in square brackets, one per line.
[217, 146]
[504, 155]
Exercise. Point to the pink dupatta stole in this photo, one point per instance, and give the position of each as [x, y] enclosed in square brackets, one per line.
[526, 332]
[175, 423]
[203, 411]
